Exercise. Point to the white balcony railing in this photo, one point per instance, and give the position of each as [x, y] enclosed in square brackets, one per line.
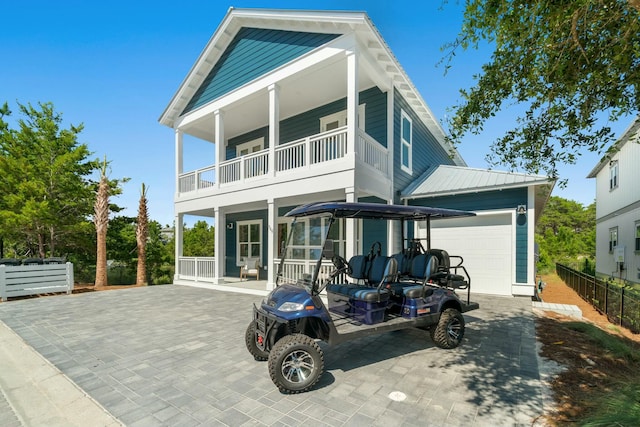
[294, 269]
[303, 153]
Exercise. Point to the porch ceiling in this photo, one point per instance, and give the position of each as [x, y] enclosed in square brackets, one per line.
[316, 86]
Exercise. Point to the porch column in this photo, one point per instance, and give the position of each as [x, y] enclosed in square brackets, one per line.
[177, 238]
[220, 228]
[218, 117]
[393, 235]
[179, 158]
[274, 125]
[350, 227]
[272, 242]
[352, 101]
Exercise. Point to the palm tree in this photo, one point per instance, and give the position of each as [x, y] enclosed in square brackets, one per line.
[101, 221]
[142, 233]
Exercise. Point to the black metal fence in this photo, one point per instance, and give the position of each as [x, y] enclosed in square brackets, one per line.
[620, 305]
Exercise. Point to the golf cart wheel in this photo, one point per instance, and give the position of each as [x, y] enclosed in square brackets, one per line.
[449, 331]
[250, 341]
[296, 363]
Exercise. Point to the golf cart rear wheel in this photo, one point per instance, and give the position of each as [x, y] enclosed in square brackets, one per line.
[449, 331]
[250, 340]
[296, 363]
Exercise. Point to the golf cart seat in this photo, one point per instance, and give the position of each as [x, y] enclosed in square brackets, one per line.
[422, 268]
[444, 275]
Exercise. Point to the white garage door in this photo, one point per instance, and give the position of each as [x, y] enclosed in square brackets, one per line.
[485, 243]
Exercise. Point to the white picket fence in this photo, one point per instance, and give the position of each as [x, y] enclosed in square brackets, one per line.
[36, 279]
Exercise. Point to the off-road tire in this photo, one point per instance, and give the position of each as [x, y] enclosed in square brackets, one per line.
[449, 331]
[250, 341]
[296, 363]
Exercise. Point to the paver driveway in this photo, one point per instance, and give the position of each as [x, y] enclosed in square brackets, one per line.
[175, 356]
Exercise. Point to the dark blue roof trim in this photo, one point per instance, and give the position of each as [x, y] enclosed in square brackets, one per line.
[375, 211]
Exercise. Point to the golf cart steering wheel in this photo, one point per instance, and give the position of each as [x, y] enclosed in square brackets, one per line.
[340, 264]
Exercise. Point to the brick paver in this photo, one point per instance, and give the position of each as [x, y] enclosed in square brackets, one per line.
[175, 355]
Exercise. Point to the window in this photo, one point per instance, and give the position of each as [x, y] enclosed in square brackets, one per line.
[339, 119]
[637, 235]
[613, 174]
[613, 238]
[406, 137]
[250, 147]
[309, 233]
[249, 240]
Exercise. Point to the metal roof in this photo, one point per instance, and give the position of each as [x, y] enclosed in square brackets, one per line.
[375, 211]
[445, 180]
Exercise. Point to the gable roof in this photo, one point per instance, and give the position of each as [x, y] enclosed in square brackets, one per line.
[327, 22]
[445, 180]
[629, 134]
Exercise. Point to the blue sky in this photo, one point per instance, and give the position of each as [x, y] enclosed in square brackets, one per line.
[114, 66]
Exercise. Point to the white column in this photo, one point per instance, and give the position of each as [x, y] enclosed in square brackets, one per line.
[352, 101]
[220, 228]
[531, 234]
[177, 238]
[179, 158]
[218, 117]
[350, 227]
[274, 125]
[272, 242]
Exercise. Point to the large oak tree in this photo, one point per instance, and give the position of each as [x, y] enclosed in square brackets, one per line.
[570, 65]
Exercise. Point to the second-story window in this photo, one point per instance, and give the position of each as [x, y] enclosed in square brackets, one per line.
[406, 137]
[637, 235]
[613, 238]
[613, 174]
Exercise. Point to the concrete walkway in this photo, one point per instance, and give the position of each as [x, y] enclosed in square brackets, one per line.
[175, 356]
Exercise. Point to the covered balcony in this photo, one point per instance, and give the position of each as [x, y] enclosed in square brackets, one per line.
[300, 156]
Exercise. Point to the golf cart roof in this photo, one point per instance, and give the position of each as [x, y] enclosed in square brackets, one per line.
[375, 211]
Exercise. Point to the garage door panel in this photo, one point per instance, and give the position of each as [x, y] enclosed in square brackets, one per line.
[486, 247]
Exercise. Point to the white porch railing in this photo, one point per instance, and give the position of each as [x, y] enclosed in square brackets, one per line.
[303, 153]
[199, 269]
[372, 153]
[294, 269]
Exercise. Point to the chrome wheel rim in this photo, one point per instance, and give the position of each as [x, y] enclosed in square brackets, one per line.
[298, 366]
[453, 329]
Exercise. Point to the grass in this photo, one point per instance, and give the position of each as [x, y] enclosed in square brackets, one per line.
[617, 403]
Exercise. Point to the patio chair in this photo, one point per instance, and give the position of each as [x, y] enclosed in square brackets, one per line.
[251, 267]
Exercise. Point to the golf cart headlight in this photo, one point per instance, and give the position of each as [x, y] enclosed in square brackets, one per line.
[291, 306]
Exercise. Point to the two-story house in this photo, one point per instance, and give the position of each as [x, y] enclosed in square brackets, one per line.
[306, 106]
[618, 208]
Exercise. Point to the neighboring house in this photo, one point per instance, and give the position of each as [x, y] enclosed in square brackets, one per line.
[306, 106]
[618, 208]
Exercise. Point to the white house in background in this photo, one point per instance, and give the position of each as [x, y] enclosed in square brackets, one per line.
[618, 208]
[306, 106]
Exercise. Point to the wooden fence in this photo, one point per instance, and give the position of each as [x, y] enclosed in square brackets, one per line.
[620, 305]
[35, 279]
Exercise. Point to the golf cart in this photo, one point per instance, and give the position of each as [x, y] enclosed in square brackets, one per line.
[368, 294]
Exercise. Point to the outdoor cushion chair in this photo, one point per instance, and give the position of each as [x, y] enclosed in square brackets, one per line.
[251, 267]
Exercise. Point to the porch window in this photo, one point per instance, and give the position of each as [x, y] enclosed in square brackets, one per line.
[406, 137]
[339, 119]
[613, 174]
[309, 232]
[613, 238]
[249, 239]
[637, 235]
[250, 147]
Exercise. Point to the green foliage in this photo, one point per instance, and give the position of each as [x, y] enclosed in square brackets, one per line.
[566, 62]
[565, 233]
[160, 256]
[48, 172]
[199, 240]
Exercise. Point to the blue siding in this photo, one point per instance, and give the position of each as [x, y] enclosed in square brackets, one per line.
[373, 230]
[308, 123]
[426, 149]
[231, 268]
[252, 53]
[505, 199]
